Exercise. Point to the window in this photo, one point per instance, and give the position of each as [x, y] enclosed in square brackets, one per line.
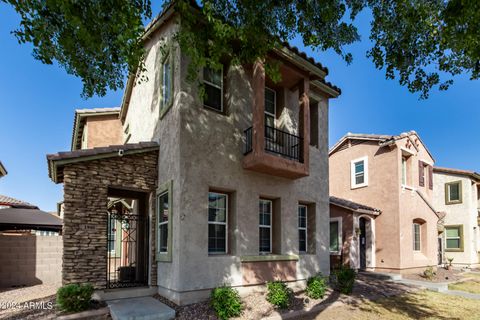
[453, 192]
[166, 94]
[416, 237]
[127, 135]
[302, 228]
[359, 173]
[164, 222]
[213, 82]
[270, 107]
[265, 226]
[454, 238]
[404, 171]
[217, 222]
[163, 210]
[112, 230]
[335, 235]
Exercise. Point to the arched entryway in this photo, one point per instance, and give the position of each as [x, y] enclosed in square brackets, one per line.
[366, 242]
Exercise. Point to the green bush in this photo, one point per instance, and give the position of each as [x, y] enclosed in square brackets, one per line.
[278, 294]
[316, 287]
[226, 302]
[345, 278]
[74, 297]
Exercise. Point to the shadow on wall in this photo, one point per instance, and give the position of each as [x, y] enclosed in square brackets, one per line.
[27, 260]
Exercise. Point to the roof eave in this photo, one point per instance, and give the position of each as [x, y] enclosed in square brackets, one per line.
[3, 170]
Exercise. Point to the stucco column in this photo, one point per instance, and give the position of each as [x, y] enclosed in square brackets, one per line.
[258, 119]
[304, 118]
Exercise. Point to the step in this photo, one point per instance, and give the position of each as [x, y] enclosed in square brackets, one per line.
[140, 309]
[123, 293]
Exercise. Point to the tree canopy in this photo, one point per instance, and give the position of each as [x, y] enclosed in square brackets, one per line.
[423, 44]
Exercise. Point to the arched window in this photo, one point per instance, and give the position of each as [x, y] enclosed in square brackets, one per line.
[417, 228]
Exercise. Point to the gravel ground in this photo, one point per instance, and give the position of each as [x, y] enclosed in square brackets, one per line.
[256, 306]
[443, 275]
[35, 302]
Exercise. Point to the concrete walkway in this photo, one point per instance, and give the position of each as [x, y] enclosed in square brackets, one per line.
[432, 286]
[463, 294]
[140, 309]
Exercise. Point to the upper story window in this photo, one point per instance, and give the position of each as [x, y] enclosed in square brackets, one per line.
[213, 82]
[404, 171]
[453, 192]
[166, 94]
[217, 223]
[270, 112]
[425, 174]
[359, 172]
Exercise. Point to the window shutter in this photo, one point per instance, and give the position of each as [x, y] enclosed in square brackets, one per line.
[421, 178]
[430, 177]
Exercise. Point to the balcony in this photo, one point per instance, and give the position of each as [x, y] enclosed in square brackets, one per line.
[278, 142]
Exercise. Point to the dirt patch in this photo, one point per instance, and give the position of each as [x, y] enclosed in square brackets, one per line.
[442, 275]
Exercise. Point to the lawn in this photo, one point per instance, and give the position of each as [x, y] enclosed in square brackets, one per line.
[419, 305]
[472, 286]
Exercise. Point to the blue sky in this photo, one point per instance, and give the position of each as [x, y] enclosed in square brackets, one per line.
[37, 104]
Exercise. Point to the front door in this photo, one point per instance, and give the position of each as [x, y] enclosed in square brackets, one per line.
[127, 232]
[363, 244]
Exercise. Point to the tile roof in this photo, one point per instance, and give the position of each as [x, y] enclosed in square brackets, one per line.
[472, 174]
[352, 205]
[80, 114]
[57, 161]
[12, 202]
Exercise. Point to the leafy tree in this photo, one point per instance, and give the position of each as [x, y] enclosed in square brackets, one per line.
[422, 43]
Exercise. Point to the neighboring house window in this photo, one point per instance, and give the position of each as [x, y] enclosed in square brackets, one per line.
[359, 172]
[453, 192]
[302, 228]
[112, 230]
[128, 135]
[454, 238]
[217, 223]
[416, 237]
[404, 171]
[265, 226]
[163, 210]
[335, 235]
[83, 144]
[213, 82]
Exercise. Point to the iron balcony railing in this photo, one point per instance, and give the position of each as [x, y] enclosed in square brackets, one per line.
[279, 142]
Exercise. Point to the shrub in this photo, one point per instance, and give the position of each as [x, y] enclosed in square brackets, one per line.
[74, 297]
[316, 287]
[226, 302]
[345, 278]
[278, 294]
[429, 273]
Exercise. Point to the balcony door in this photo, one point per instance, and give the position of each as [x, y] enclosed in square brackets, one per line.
[270, 113]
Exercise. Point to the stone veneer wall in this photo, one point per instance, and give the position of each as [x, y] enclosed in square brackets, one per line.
[85, 218]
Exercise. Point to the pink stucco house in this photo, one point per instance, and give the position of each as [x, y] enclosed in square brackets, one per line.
[393, 174]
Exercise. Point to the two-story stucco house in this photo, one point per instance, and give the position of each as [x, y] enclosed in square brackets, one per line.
[231, 188]
[457, 193]
[394, 175]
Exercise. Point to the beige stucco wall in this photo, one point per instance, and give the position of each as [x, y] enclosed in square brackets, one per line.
[201, 149]
[399, 205]
[103, 131]
[464, 213]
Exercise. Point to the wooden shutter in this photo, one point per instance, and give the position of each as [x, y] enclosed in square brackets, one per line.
[430, 177]
[421, 174]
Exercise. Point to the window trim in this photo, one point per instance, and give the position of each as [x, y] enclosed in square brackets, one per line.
[303, 228]
[222, 110]
[166, 105]
[460, 237]
[419, 236]
[220, 223]
[164, 256]
[353, 184]
[266, 226]
[447, 192]
[339, 220]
